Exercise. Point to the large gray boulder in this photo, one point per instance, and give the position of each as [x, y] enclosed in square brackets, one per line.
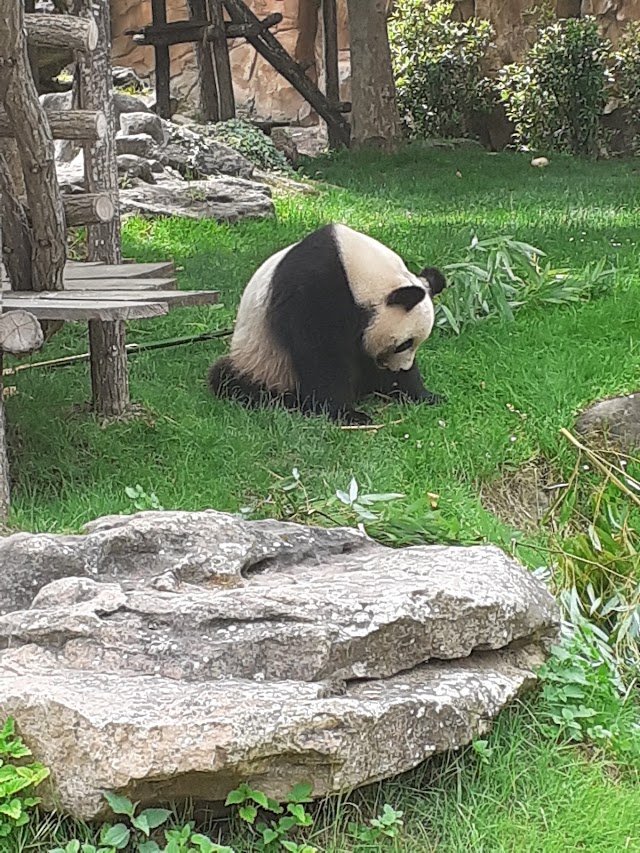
[617, 418]
[174, 654]
[195, 155]
[225, 199]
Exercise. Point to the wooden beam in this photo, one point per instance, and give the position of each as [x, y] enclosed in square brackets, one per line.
[205, 60]
[270, 48]
[234, 31]
[162, 71]
[93, 310]
[218, 39]
[197, 28]
[83, 125]
[36, 150]
[88, 208]
[331, 70]
[61, 31]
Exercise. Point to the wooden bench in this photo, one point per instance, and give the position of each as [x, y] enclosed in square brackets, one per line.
[105, 296]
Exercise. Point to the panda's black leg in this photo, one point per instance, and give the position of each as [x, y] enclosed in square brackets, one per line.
[328, 390]
[407, 385]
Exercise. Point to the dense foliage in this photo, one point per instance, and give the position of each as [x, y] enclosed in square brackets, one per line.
[438, 67]
[626, 70]
[556, 97]
[252, 142]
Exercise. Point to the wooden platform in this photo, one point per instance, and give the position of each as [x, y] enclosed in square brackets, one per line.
[104, 296]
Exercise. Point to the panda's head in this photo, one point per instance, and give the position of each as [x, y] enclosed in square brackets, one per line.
[403, 321]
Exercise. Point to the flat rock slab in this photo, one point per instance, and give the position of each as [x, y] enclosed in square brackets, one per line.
[225, 199]
[618, 418]
[178, 653]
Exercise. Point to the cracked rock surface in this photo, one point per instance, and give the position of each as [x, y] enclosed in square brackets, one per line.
[172, 654]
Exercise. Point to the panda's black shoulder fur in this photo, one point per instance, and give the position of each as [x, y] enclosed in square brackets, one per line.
[313, 315]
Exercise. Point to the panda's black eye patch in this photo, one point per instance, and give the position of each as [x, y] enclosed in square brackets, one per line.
[404, 346]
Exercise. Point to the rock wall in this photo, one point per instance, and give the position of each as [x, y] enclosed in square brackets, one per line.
[268, 96]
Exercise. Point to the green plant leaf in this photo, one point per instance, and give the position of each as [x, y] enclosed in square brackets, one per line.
[119, 804]
[155, 817]
[301, 793]
[248, 813]
[117, 836]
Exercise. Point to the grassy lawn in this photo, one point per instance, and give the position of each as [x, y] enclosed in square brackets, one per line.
[195, 452]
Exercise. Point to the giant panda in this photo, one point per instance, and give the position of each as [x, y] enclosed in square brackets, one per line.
[327, 321]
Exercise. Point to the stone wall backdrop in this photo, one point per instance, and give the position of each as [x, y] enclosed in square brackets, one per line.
[269, 97]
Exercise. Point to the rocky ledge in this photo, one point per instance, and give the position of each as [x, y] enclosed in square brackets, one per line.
[173, 654]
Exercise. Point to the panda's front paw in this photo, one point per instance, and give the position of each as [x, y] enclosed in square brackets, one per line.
[352, 417]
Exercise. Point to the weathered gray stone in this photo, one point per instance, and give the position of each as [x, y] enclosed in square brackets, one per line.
[157, 739]
[196, 155]
[218, 649]
[222, 198]
[138, 144]
[132, 124]
[135, 167]
[618, 418]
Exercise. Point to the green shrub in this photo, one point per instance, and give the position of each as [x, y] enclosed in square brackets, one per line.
[556, 97]
[626, 70]
[17, 782]
[252, 142]
[438, 67]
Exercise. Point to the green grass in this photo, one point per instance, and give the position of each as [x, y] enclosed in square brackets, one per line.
[195, 452]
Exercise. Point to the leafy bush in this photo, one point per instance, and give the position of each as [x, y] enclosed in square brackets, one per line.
[626, 71]
[252, 142]
[17, 782]
[499, 275]
[438, 67]
[557, 96]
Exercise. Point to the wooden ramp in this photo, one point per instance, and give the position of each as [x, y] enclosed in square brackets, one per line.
[110, 294]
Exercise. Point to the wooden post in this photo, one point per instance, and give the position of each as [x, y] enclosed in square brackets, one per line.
[36, 150]
[163, 76]
[16, 245]
[218, 40]
[5, 482]
[109, 378]
[209, 106]
[268, 46]
[331, 68]
[84, 125]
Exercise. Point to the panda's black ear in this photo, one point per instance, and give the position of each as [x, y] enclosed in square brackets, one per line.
[435, 279]
[408, 297]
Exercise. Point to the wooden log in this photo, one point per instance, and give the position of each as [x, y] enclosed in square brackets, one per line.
[234, 31]
[332, 77]
[217, 37]
[268, 46]
[109, 381]
[20, 333]
[109, 369]
[5, 481]
[84, 125]
[61, 31]
[163, 75]
[196, 29]
[95, 92]
[36, 150]
[16, 244]
[88, 209]
[208, 88]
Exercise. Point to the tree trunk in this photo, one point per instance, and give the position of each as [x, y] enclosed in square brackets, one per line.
[16, 242]
[374, 114]
[5, 493]
[36, 150]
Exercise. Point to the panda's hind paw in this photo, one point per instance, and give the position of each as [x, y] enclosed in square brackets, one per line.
[352, 417]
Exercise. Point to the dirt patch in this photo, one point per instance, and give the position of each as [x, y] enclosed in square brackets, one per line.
[520, 497]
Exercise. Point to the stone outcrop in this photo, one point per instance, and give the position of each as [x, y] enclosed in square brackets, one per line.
[174, 654]
[618, 418]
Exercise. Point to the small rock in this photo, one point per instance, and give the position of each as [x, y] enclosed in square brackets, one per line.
[195, 156]
[618, 418]
[540, 162]
[284, 142]
[125, 104]
[138, 144]
[133, 124]
[135, 167]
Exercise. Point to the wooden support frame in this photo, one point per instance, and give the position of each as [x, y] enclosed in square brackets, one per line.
[332, 73]
[268, 46]
[163, 68]
[83, 125]
[197, 29]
